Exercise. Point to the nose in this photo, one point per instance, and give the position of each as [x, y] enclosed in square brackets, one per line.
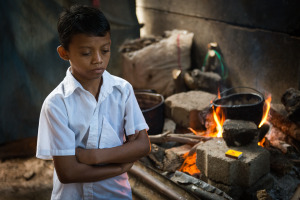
[97, 59]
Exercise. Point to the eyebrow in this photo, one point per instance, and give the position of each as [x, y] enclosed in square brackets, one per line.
[82, 47]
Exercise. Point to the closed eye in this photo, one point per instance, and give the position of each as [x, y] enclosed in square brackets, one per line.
[105, 51]
[85, 54]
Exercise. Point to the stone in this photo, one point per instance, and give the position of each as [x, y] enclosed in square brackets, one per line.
[186, 107]
[206, 81]
[239, 132]
[169, 125]
[174, 157]
[29, 175]
[212, 162]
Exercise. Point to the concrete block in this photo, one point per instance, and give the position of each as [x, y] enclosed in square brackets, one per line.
[238, 192]
[239, 132]
[213, 163]
[184, 107]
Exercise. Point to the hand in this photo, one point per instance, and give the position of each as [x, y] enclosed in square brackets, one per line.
[82, 156]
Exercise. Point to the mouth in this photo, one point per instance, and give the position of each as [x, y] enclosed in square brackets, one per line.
[98, 70]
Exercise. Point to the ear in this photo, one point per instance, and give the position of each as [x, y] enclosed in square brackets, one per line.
[62, 52]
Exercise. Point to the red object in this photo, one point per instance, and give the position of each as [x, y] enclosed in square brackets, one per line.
[96, 3]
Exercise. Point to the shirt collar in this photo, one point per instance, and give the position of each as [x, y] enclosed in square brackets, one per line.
[71, 84]
[107, 87]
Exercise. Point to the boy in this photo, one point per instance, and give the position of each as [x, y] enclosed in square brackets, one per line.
[84, 119]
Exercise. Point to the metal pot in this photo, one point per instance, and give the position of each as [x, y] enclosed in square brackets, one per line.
[152, 106]
[241, 103]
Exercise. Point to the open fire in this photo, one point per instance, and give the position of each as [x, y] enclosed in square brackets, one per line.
[189, 164]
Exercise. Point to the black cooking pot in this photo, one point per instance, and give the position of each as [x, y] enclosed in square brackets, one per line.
[241, 103]
[152, 106]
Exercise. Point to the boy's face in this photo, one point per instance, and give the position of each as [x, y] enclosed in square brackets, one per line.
[88, 56]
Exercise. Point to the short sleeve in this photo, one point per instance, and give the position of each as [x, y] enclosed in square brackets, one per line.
[55, 138]
[134, 118]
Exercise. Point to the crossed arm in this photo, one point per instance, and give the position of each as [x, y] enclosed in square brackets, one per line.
[118, 159]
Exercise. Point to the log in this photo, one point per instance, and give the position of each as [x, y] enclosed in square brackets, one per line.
[281, 145]
[198, 187]
[206, 81]
[291, 100]
[174, 157]
[295, 162]
[296, 194]
[155, 183]
[157, 156]
[181, 138]
[146, 183]
[284, 124]
[263, 195]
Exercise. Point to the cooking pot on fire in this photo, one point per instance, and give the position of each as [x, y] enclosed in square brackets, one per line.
[241, 103]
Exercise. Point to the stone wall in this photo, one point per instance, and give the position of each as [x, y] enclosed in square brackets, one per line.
[259, 40]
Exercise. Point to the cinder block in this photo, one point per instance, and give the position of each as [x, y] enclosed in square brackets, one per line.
[213, 163]
[238, 192]
[186, 107]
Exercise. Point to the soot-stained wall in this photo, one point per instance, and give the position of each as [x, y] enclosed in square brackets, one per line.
[259, 40]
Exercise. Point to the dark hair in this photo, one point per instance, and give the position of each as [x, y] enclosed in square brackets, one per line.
[81, 19]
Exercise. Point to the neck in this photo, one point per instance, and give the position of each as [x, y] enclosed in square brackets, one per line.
[93, 86]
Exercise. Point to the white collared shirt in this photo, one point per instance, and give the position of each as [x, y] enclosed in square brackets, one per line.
[71, 117]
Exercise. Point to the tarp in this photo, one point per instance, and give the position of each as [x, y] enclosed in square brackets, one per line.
[30, 65]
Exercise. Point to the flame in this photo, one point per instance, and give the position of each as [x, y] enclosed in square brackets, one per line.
[219, 94]
[266, 111]
[261, 143]
[265, 117]
[196, 132]
[219, 120]
[189, 164]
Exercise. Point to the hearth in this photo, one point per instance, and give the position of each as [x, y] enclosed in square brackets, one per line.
[201, 135]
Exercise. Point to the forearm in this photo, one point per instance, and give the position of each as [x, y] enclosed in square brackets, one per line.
[69, 170]
[128, 152]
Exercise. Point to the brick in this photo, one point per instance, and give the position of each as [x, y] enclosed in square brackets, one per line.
[213, 163]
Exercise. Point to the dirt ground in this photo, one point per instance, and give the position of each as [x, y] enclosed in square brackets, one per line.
[31, 179]
[25, 179]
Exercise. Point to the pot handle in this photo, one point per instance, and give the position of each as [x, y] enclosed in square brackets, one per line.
[241, 88]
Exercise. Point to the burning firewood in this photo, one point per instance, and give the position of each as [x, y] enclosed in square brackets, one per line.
[285, 125]
[174, 157]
